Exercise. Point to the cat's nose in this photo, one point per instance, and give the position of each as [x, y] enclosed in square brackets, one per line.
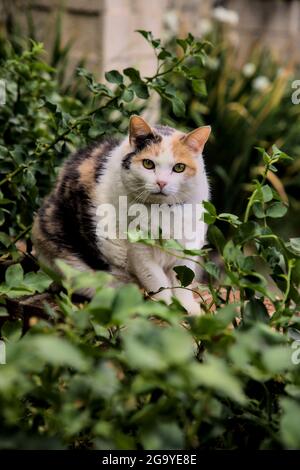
[161, 184]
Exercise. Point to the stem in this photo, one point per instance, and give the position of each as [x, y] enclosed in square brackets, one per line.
[12, 174]
[249, 205]
[165, 72]
[252, 197]
[288, 281]
[79, 120]
[213, 293]
[165, 250]
[21, 235]
[228, 290]
[242, 299]
[178, 287]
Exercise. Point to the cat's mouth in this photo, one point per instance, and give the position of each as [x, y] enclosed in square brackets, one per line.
[160, 193]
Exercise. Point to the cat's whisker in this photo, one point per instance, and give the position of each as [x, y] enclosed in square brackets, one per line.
[140, 197]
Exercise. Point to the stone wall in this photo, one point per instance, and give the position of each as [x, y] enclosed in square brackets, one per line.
[274, 23]
[102, 31]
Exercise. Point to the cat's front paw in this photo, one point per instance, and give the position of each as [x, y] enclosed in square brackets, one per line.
[193, 308]
[164, 295]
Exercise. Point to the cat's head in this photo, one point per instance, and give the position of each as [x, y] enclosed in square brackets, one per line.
[163, 165]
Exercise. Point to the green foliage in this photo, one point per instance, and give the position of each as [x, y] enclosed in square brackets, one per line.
[120, 371]
[17, 285]
[39, 126]
[247, 105]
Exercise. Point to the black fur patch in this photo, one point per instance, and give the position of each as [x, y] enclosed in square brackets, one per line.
[141, 142]
[70, 225]
[108, 146]
[79, 231]
[105, 145]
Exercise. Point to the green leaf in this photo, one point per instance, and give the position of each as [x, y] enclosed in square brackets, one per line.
[113, 76]
[29, 179]
[210, 215]
[127, 95]
[276, 210]
[164, 54]
[178, 106]
[258, 210]
[126, 302]
[150, 347]
[254, 311]
[184, 274]
[295, 245]
[209, 326]
[281, 155]
[57, 351]
[231, 218]
[232, 253]
[51, 106]
[209, 207]
[161, 436]
[5, 239]
[12, 330]
[216, 237]
[216, 375]
[212, 269]
[277, 359]
[146, 34]
[182, 43]
[14, 275]
[209, 219]
[172, 244]
[2, 217]
[37, 282]
[247, 232]
[133, 74]
[267, 193]
[140, 89]
[289, 423]
[3, 312]
[101, 305]
[199, 87]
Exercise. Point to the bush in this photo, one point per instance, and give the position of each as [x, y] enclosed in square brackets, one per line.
[124, 372]
[249, 106]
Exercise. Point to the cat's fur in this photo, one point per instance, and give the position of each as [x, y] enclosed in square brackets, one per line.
[65, 226]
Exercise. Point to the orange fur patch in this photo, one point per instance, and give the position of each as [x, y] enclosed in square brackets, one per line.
[183, 154]
[87, 173]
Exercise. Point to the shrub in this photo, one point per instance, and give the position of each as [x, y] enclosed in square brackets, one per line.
[40, 126]
[249, 106]
[124, 372]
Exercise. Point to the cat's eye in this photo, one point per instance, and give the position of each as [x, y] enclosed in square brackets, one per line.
[148, 164]
[179, 167]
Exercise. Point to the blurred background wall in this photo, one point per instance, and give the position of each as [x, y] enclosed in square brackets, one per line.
[243, 91]
[102, 31]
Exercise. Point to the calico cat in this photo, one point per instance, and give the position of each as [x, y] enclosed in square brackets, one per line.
[153, 166]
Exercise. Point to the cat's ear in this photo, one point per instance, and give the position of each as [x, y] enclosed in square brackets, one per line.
[196, 139]
[138, 128]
